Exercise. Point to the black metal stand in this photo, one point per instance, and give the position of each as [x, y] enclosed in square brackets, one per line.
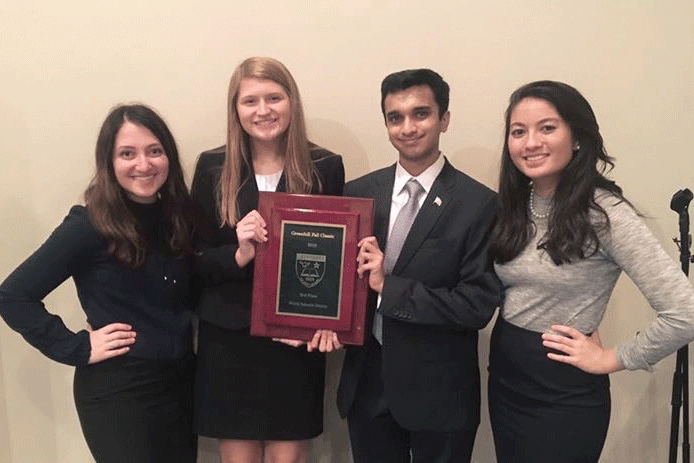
[680, 381]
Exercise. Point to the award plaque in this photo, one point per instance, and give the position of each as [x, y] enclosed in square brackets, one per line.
[305, 275]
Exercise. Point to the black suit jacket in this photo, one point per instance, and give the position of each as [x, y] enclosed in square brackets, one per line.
[226, 293]
[441, 292]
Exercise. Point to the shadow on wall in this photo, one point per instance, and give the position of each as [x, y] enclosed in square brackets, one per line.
[4, 419]
[26, 400]
[484, 443]
[26, 374]
[208, 451]
[336, 138]
[333, 445]
[475, 162]
[638, 421]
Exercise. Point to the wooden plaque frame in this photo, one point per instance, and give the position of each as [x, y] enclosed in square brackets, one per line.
[305, 275]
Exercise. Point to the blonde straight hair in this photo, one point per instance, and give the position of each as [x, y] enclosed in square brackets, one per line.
[299, 171]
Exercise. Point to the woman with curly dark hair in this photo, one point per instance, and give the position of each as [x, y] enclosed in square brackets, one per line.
[563, 236]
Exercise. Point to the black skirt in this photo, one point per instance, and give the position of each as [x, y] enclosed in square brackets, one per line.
[253, 388]
[542, 410]
[137, 411]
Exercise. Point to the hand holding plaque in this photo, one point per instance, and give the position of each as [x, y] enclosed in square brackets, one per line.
[305, 274]
[249, 231]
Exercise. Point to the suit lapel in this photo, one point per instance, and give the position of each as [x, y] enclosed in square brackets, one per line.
[428, 215]
[247, 199]
[383, 195]
[282, 184]
[248, 193]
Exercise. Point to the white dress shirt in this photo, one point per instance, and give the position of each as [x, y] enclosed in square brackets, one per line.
[268, 182]
[400, 196]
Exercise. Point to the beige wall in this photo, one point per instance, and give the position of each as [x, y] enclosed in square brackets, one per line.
[63, 64]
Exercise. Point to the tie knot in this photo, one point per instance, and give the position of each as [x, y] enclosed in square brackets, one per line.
[414, 188]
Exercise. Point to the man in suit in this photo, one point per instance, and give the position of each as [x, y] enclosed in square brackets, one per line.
[412, 392]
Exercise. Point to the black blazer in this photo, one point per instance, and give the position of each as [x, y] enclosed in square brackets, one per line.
[225, 295]
[441, 292]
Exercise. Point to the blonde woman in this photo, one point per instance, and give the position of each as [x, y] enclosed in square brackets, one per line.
[261, 398]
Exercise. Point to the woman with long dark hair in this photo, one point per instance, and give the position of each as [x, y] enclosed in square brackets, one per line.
[129, 253]
[260, 397]
[563, 236]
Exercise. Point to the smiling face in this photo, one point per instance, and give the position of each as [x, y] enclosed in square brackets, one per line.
[414, 126]
[540, 143]
[139, 162]
[264, 109]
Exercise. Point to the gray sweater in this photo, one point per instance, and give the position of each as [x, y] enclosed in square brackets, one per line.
[540, 293]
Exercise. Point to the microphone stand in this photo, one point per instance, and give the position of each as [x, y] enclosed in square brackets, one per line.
[680, 381]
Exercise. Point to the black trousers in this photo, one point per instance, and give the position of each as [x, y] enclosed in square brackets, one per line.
[137, 411]
[543, 411]
[376, 437]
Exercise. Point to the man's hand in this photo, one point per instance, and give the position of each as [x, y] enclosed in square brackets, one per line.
[324, 341]
[370, 259]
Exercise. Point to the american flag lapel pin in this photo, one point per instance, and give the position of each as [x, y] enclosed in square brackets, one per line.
[437, 201]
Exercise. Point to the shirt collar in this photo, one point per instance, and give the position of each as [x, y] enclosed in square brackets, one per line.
[426, 178]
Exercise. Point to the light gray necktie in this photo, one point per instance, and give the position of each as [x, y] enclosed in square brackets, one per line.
[396, 239]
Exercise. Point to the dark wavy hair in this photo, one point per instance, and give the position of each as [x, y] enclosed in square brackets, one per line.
[402, 80]
[570, 235]
[105, 198]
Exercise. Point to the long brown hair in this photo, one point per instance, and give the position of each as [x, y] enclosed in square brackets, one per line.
[299, 170]
[105, 198]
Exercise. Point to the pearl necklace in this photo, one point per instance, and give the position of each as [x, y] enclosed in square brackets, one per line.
[531, 203]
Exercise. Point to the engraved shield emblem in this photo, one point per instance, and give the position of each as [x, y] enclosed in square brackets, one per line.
[310, 269]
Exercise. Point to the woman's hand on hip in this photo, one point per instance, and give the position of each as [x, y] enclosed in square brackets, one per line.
[110, 341]
[581, 351]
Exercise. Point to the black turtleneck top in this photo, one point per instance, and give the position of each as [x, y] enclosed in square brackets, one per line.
[153, 299]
